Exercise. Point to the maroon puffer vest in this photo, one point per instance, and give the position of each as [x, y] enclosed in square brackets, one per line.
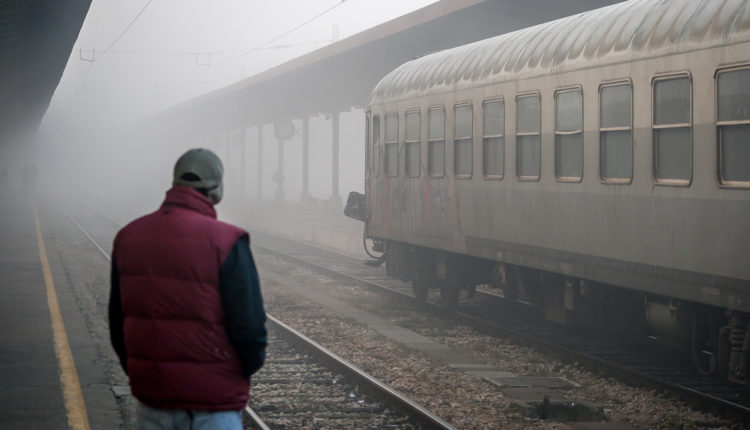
[179, 354]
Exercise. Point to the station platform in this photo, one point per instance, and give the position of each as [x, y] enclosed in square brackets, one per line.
[50, 373]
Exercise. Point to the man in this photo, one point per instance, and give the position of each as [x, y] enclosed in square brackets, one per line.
[186, 315]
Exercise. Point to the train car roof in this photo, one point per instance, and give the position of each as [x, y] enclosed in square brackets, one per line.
[622, 32]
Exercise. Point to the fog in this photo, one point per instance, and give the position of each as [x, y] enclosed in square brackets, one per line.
[128, 161]
[133, 61]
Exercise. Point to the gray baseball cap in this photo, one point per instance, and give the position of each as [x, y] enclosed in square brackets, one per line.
[200, 168]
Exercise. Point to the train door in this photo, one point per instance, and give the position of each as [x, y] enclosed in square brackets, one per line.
[368, 167]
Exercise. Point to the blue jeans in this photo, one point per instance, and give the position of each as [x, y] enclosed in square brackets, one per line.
[165, 419]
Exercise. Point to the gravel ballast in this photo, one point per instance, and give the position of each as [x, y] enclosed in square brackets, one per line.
[465, 401]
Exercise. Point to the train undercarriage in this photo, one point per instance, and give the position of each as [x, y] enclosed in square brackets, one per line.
[716, 340]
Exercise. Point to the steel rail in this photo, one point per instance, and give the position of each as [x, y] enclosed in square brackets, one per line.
[369, 384]
[689, 395]
[255, 419]
[88, 236]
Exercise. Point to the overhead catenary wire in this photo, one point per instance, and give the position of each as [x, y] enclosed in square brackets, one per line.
[263, 45]
[217, 52]
[117, 39]
[258, 47]
[81, 89]
[208, 66]
[113, 43]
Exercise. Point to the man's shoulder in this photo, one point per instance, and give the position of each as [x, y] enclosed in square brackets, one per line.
[134, 225]
[229, 226]
[230, 233]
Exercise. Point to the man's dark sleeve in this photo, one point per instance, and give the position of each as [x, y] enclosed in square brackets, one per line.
[243, 306]
[116, 335]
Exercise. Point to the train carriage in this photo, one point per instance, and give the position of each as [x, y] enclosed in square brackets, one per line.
[596, 165]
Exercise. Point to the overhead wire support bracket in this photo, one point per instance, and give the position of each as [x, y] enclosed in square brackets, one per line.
[87, 55]
[203, 59]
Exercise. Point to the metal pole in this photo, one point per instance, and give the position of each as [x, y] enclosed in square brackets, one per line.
[280, 173]
[305, 161]
[260, 162]
[243, 142]
[228, 144]
[335, 163]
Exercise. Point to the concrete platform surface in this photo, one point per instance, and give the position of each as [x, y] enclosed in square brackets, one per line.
[32, 392]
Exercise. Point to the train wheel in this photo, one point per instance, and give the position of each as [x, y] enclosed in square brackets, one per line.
[420, 282]
[449, 294]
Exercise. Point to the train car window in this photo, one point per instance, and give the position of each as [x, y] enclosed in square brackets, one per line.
[733, 127]
[616, 132]
[493, 142]
[436, 142]
[672, 130]
[391, 144]
[413, 136]
[376, 145]
[462, 141]
[569, 135]
[528, 139]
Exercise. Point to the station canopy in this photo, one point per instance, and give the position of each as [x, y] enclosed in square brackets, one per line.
[341, 76]
[36, 39]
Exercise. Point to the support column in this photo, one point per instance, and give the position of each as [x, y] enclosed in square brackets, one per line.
[217, 146]
[279, 175]
[228, 144]
[243, 143]
[305, 198]
[335, 198]
[260, 162]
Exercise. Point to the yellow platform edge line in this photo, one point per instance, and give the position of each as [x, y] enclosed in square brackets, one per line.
[77, 416]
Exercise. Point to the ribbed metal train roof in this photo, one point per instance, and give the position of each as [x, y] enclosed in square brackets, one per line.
[625, 31]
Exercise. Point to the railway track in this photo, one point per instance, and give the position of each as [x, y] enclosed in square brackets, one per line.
[303, 384]
[638, 363]
[641, 364]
